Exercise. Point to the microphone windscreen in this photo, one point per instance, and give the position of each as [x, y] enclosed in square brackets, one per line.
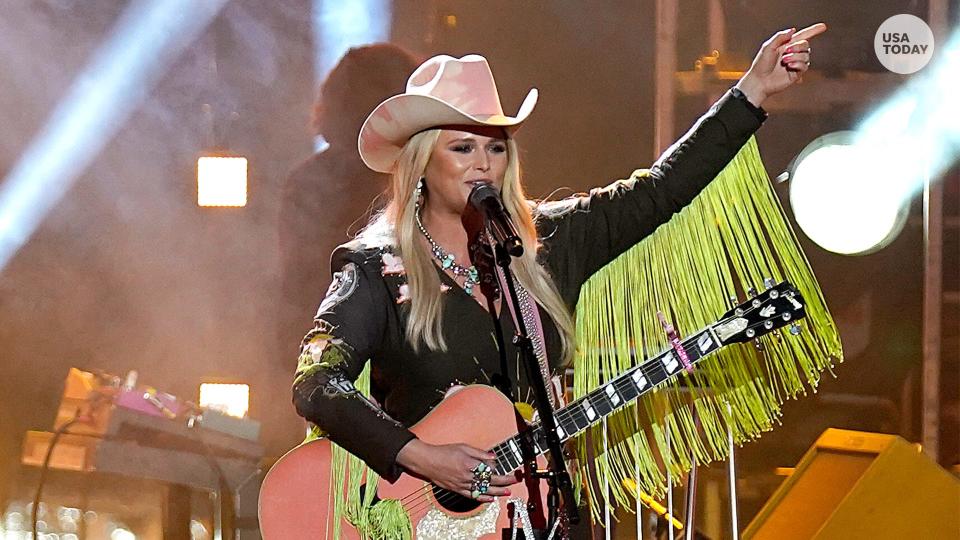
[483, 194]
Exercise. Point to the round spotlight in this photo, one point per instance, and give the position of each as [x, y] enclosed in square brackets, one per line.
[841, 197]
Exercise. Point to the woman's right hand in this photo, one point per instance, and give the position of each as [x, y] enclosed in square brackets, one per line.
[450, 466]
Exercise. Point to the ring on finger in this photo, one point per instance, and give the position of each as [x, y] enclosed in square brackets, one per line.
[482, 473]
[480, 486]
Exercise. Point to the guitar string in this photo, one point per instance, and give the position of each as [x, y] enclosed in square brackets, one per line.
[500, 452]
[645, 368]
[429, 487]
[624, 384]
[500, 459]
[617, 381]
[649, 368]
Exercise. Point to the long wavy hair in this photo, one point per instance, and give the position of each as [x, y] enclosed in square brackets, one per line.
[395, 225]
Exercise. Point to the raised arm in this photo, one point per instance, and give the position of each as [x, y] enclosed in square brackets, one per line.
[582, 234]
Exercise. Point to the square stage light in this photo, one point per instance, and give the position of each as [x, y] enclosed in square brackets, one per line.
[221, 181]
[232, 399]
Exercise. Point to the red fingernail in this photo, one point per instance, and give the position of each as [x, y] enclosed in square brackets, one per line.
[789, 50]
[507, 493]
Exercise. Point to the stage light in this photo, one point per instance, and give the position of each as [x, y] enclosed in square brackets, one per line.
[231, 399]
[850, 191]
[145, 41]
[122, 534]
[221, 181]
[841, 197]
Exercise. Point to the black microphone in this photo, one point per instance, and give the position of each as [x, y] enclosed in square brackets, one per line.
[485, 198]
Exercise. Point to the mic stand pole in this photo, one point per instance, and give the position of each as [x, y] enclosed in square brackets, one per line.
[556, 473]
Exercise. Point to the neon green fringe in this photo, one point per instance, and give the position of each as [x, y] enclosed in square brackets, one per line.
[729, 239]
[385, 520]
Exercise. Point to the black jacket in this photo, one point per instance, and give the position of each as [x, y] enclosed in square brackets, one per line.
[364, 314]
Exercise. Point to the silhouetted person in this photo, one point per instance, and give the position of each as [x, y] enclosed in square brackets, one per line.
[326, 193]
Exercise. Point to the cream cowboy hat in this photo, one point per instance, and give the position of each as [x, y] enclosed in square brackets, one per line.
[443, 91]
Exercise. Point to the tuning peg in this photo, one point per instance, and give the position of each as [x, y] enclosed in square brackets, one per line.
[752, 293]
[794, 329]
[737, 310]
[769, 284]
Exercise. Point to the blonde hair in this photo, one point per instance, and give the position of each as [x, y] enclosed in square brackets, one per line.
[396, 226]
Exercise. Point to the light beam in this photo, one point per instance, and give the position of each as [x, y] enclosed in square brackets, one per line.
[145, 41]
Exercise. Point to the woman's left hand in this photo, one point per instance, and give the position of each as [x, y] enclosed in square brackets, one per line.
[780, 62]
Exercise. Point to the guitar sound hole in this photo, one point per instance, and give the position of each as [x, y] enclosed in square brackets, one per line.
[453, 502]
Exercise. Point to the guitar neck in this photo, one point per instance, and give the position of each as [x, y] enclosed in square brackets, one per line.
[603, 401]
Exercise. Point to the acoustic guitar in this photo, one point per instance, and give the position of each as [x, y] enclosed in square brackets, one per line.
[296, 498]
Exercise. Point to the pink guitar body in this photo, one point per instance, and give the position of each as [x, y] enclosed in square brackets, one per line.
[295, 500]
[296, 503]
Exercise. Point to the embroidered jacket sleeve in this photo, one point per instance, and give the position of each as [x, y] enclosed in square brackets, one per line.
[348, 330]
[582, 234]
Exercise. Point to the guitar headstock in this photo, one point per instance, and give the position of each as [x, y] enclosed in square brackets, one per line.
[776, 307]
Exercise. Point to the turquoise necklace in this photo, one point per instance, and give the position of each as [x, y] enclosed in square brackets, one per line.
[447, 261]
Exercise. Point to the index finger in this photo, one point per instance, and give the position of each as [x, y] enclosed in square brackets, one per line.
[810, 31]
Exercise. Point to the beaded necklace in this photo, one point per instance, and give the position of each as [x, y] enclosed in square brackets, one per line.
[447, 261]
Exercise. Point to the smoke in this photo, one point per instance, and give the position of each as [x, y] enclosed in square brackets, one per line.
[125, 271]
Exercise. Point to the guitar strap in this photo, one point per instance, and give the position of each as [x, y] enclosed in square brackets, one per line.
[534, 325]
[482, 256]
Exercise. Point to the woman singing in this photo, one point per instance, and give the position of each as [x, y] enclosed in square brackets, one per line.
[405, 297]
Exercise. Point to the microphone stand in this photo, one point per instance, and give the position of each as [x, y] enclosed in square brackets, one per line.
[556, 473]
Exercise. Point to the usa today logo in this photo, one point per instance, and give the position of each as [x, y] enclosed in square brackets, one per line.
[904, 44]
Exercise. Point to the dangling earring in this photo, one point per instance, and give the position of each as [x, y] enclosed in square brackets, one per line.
[418, 193]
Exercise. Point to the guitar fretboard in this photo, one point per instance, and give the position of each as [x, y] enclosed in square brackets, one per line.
[592, 408]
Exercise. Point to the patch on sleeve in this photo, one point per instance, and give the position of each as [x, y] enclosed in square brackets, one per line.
[392, 264]
[403, 293]
[320, 352]
[343, 284]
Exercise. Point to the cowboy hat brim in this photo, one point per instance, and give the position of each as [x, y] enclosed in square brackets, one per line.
[393, 122]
